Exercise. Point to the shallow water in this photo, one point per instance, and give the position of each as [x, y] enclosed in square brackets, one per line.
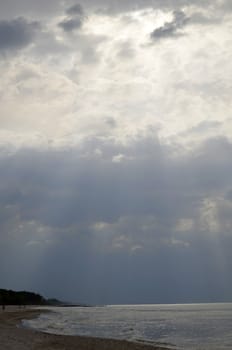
[188, 326]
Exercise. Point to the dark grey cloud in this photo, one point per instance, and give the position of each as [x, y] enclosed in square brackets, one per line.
[173, 28]
[134, 185]
[17, 33]
[71, 24]
[76, 9]
[180, 20]
[74, 20]
[106, 211]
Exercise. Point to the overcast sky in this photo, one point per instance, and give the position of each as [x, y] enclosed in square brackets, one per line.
[116, 149]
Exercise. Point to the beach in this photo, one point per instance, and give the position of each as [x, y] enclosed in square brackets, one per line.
[14, 337]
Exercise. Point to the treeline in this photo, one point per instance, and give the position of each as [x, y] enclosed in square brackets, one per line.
[10, 297]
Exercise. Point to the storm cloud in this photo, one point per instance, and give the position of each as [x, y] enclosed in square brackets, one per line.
[171, 29]
[76, 9]
[118, 209]
[74, 20]
[70, 24]
[17, 33]
[115, 153]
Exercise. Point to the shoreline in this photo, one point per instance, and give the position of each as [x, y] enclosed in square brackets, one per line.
[14, 337]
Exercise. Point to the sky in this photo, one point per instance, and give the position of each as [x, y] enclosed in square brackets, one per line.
[116, 150]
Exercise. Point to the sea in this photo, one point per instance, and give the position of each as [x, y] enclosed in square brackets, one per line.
[182, 326]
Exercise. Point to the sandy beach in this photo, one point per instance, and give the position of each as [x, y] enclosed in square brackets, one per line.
[14, 337]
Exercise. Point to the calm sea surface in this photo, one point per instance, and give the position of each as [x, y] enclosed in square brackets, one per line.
[189, 326]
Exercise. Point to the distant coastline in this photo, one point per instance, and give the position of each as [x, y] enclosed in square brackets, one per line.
[23, 298]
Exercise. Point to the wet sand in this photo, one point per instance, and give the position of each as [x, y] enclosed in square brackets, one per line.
[14, 337]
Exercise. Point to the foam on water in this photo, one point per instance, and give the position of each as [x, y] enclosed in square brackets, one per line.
[192, 326]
